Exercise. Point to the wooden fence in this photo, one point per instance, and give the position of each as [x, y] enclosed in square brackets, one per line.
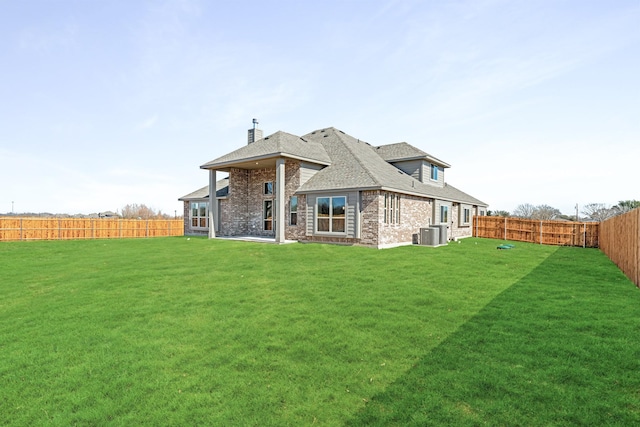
[15, 228]
[563, 233]
[620, 241]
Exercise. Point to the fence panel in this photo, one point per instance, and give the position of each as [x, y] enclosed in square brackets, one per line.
[15, 228]
[562, 233]
[620, 241]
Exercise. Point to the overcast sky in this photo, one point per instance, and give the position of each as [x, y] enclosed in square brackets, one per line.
[106, 103]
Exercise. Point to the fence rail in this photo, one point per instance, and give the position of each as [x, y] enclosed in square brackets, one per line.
[16, 228]
[620, 241]
[562, 233]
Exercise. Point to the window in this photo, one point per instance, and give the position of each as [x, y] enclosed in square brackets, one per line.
[444, 214]
[391, 208]
[293, 210]
[331, 214]
[199, 214]
[465, 215]
[268, 187]
[434, 172]
[268, 215]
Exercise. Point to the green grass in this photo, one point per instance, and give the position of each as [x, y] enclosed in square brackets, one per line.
[171, 331]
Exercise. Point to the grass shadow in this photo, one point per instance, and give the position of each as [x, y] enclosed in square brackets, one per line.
[559, 347]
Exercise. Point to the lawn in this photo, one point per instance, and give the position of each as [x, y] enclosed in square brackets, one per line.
[178, 331]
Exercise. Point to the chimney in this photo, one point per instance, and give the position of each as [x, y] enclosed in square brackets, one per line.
[254, 134]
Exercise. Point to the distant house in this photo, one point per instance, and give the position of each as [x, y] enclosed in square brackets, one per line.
[327, 186]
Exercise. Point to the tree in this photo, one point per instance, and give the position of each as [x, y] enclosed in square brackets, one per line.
[142, 211]
[545, 212]
[500, 213]
[627, 205]
[599, 211]
[525, 210]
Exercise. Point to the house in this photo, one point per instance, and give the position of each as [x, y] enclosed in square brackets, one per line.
[327, 186]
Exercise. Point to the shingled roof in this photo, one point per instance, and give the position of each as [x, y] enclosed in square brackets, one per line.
[402, 151]
[357, 165]
[350, 164]
[279, 144]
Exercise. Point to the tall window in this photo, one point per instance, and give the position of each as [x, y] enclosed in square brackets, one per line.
[199, 214]
[391, 208]
[331, 214]
[434, 172]
[268, 187]
[444, 214]
[293, 211]
[268, 215]
[466, 215]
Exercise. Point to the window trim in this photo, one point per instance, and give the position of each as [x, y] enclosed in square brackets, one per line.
[293, 211]
[199, 218]
[434, 172]
[391, 209]
[446, 212]
[330, 216]
[268, 189]
[266, 219]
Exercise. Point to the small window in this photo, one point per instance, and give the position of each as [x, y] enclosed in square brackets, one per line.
[444, 214]
[434, 172]
[268, 187]
[293, 211]
[268, 215]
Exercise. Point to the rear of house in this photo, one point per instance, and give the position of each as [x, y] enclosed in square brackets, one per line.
[327, 186]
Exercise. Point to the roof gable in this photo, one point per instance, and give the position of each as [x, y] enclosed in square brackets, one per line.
[279, 144]
[402, 151]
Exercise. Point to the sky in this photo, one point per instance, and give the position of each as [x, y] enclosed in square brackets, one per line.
[109, 103]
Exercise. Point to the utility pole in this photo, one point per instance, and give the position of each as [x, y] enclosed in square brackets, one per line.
[577, 217]
[12, 207]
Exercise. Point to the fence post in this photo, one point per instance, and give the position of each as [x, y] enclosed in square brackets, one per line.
[540, 231]
[505, 228]
[147, 228]
[20, 228]
[584, 235]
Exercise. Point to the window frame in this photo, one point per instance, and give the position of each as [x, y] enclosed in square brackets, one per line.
[330, 217]
[444, 209]
[391, 209]
[434, 172]
[293, 211]
[267, 221]
[268, 189]
[199, 218]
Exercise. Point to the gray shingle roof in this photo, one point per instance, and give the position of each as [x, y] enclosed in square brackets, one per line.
[279, 144]
[222, 190]
[403, 151]
[357, 165]
[350, 164]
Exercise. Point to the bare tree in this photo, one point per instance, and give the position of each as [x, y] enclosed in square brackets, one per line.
[525, 210]
[545, 212]
[599, 211]
[142, 211]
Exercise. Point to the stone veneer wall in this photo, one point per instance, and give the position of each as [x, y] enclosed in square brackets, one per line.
[233, 214]
[415, 213]
[291, 184]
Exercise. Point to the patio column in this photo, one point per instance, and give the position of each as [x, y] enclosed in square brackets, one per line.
[280, 201]
[213, 204]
